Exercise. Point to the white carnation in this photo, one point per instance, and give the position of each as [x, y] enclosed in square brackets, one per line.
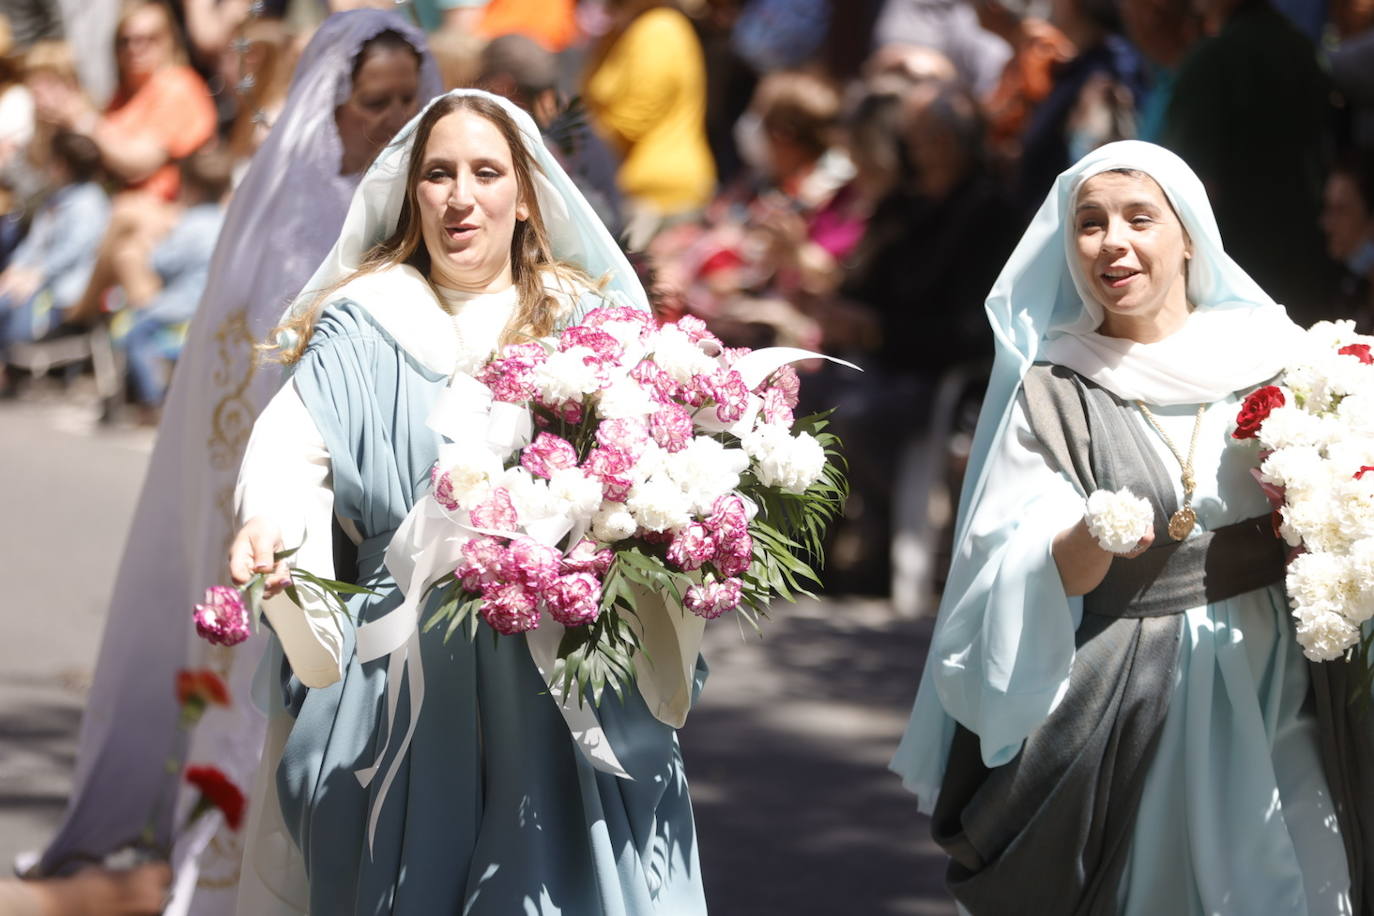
[705, 470]
[1290, 426]
[789, 462]
[679, 357]
[1326, 337]
[528, 494]
[566, 376]
[625, 399]
[1117, 520]
[1312, 522]
[472, 470]
[1325, 635]
[612, 522]
[1319, 583]
[1360, 569]
[1356, 415]
[1298, 468]
[764, 439]
[580, 494]
[659, 504]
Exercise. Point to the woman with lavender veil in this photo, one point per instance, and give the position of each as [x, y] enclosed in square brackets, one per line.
[363, 75]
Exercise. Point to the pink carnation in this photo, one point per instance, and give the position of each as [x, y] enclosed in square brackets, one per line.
[570, 412]
[443, 488]
[776, 409]
[654, 380]
[607, 313]
[496, 512]
[671, 427]
[734, 553]
[586, 557]
[696, 391]
[628, 436]
[533, 563]
[691, 547]
[482, 565]
[548, 453]
[731, 355]
[610, 466]
[605, 346]
[574, 600]
[728, 516]
[510, 380]
[510, 609]
[223, 617]
[711, 599]
[788, 382]
[696, 330]
[730, 394]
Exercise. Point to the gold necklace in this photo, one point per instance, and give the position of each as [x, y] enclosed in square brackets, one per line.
[1182, 521]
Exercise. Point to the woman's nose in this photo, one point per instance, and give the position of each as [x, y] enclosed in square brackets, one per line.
[1114, 238]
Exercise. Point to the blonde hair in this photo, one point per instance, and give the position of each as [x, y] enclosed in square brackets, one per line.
[532, 260]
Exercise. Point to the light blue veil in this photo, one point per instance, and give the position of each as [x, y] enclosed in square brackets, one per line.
[1040, 310]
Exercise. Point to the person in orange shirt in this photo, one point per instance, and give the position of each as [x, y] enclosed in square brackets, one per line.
[161, 111]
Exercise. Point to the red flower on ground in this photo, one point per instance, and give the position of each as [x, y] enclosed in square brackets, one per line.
[216, 791]
[1359, 351]
[201, 685]
[1256, 409]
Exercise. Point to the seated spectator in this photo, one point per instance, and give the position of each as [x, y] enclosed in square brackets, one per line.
[51, 266]
[49, 67]
[161, 289]
[161, 111]
[1348, 221]
[519, 69]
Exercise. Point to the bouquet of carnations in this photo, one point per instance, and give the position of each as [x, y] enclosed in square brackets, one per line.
[616, 459]
[1315, 429]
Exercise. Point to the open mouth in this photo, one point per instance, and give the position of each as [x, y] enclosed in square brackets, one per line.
[1117, 277]
[460, 232]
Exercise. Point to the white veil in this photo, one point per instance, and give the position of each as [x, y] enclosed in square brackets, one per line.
[280, 222]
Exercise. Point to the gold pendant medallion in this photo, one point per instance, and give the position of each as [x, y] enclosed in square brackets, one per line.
[1181, 522]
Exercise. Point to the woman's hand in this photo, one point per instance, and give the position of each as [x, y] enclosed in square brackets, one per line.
[1082, 562]
[252, 551]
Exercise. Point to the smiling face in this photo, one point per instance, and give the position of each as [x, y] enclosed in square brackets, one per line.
[1132, 252]
[469, 200]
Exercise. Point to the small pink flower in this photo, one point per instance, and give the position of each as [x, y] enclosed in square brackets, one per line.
[574, 600]
[586, 557]
[691, 547]
[510, 609]
[788, 382]
[605, 346]
[731, 355]
[776, 409]
[610, 466]
[711, 599]
[728, 516]
[223, 617]
[730, 394]
[496, 512]
[654, 380]
[607, 313]
[510, 380]
[443, 488]
[628, 436]
[696, 330]
[671, 426]
[533, 563]
[548, 453]
[482, 565]
[734, 554]
[570, 412]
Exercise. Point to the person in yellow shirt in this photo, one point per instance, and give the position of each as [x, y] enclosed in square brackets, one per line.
[645, 88]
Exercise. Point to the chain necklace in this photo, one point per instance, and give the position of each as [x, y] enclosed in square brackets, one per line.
[1182, 521]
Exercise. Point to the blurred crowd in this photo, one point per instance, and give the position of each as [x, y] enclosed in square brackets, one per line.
[847, 177]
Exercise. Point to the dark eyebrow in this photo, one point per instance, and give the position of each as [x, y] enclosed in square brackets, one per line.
[1088, 205]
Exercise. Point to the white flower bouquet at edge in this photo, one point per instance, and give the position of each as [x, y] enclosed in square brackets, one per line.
[615, 458]
[1315, 431]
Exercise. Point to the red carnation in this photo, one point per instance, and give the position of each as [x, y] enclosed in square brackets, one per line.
[216, 791]
[1359, 475]
[1256, 410]
[1359, 351]
[201, 685]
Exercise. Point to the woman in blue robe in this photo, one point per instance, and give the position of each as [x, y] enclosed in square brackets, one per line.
[439, 776]
[1139, 733]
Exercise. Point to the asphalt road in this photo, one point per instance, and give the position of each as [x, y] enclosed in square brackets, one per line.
[786, 752]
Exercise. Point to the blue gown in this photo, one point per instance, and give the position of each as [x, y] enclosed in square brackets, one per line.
[494, 811]
[1235, 816]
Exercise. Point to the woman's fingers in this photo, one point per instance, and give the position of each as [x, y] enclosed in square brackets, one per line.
[254, 551]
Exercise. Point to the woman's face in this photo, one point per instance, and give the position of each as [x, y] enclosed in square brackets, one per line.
[469, 201]
[1132, 251]
[384, 97]
[144, 43]
[1345, 220]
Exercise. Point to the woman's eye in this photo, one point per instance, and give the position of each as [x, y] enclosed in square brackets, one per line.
[436, 175]
[488, 174]
[1141, 221]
